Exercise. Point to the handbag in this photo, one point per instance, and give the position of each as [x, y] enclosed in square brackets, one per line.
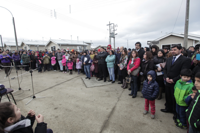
[92, 68]
[134, 72]
[128, 79]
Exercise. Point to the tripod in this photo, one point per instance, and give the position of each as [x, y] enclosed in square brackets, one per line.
[33, 97]
[18, 78]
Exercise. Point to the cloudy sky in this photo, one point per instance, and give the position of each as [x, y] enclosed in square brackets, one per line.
[137, 20]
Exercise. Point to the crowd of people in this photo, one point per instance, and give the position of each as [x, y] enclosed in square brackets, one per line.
[174, 71]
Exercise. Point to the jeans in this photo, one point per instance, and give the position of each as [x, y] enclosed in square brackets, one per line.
[111, 73]
[193, 130]
[181, 115]
[39, 67]
[60, 64]
[152, 104]
[87, 70]
[134, 87]
[49, 131]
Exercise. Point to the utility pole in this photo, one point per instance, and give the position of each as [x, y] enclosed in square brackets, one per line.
[185, 44]
[71, 39]
[70, 9]
[109, 32]
[127, 44]
[77, 38]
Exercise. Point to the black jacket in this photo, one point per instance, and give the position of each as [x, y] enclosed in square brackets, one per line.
[173, 71]
[193, 112]
[33, 59]
[146, 66]
[40, 128]
[158, 60]
[195, 70]
[141, 53]
[101, 57]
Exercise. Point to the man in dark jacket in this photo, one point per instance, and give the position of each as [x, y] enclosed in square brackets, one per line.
[139, 50]
[102, 64]
[87, 62]
[172, 70]
[166, 51]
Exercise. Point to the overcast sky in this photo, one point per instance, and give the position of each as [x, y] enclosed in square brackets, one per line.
[137, 20]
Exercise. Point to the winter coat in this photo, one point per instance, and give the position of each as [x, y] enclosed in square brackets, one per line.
[53, 60]
[146, 66]
[40, 128]
[16, 57]
[74, 58]
[136, 63]
[59, 56]
[96, 66]
[86, 60]
[101, 57]
[158, 60]
[141, 53]
[32, 57]
[5, 58]
[123, 62]
[192, 113]
[150, 90]
[64, 60]
[181, 91]
[46, 60]
[78, 65]
[25, 59]
[70, 65]
[110, 59]
[92, 56]
[195, 70]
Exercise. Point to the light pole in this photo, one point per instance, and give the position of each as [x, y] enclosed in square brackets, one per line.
[13, 26]
[2, 43]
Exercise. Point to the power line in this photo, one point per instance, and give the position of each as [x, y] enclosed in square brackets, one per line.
[177, 16]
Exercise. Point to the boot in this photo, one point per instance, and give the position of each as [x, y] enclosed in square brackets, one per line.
[125, 84]
[160, 93]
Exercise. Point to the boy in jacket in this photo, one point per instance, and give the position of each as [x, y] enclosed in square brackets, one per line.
[182, 89]
[193, 112]
[150, 92]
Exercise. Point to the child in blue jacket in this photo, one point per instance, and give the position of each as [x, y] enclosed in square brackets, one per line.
[150, 92]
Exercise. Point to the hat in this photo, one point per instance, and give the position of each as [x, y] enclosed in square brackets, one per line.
[99, 50]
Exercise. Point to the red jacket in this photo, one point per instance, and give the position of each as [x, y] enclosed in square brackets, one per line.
[136, 64]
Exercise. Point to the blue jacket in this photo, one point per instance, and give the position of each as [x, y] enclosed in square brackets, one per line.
[16, 57]
[86, 60]
[150, 90]
[188, 100]
[110, 59]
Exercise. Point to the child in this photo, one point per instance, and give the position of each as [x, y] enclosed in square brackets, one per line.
[46, 62]
[150, 92]
[13, 121]
[53, 61]
[189, 99]
[70, 65]
[78, 65]
[64, 63]
[193, 112]
[182, 89]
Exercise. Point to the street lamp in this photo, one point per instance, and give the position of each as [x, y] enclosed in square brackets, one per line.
[13, 26]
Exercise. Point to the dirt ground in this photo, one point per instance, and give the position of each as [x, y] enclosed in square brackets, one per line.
[76, 105]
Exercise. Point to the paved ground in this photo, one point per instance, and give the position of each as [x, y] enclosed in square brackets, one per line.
[75, 106]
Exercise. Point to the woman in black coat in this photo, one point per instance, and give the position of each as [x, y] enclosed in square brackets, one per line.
[146, 65]
[160, 58]
[154, 50]
[33, 60]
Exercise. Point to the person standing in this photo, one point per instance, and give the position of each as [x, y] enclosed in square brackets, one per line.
[110, 59]
[26, 60]
[5, 60]
[16, 58]
[102, 64]
[118, 56]
[135, 61]
[59, 58]
[172, 70]
[86, 61]
[46, 61]
[33, 60]
[123, 67]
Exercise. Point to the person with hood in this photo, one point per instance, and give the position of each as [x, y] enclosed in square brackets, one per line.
[70, 65]
[109, 47]
[64, 64]
[16, 58]
[159, 71]
[5, 60]
[86, 61]
[26, 60]
[154, 50]
[150, 91]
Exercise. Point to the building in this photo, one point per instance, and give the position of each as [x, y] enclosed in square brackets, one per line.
[173, 38]
[11, 46]
[67, 45]
[33, 45]
[98, 47]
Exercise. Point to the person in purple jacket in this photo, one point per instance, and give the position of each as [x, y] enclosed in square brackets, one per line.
[16, 59]
[5, 60]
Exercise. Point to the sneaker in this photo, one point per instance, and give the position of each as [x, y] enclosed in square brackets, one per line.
[181, 126]
[177, 121]
[152, 116]
[145, 112]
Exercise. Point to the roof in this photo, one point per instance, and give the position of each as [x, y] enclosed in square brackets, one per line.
[37, 42]
[100, 46]
[66, 42]
[192, 37]
[11, 43]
